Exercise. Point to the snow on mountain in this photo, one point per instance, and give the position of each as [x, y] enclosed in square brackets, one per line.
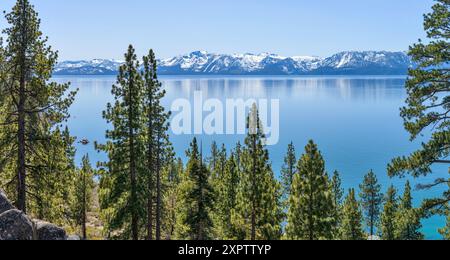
[202, 62]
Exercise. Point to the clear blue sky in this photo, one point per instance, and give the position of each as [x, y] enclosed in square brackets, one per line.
[85, 29]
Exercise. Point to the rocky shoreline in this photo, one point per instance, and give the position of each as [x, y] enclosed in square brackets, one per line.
[15, 225]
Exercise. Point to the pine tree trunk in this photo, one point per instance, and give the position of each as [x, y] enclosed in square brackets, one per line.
[21, 178]
[84, 208]
[150, 169]
[21, 187]
[253, 232]
[158, 193]
[134, 215]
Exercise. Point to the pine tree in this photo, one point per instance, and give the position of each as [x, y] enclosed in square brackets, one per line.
[288, 171]
[371, 200]
[123, 197]
[408, 218]
[428, 103]
[258, 213]
[352, 218]
[214, 156]
[388, 222]
[445, 232]
[226, 188]
[172, 197]
[197, 198]
[310, 214]
[84, 186]
[337, 193]
[31, 105]
[157, 141]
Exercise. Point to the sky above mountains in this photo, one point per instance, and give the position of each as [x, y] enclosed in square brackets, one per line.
[87, 29]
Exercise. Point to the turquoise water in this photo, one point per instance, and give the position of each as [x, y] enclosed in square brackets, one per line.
[354, 120]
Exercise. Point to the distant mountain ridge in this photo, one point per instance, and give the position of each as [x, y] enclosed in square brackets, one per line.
[204, 63]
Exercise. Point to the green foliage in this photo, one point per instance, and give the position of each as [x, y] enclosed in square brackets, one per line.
[258, 213]
[158, 149]
[371, 200]
[388, 223]
[198, 197]
[287, 172]
[445, 232]
[408, 218]
[428, 103]
[226, 188]
[310, 214]
[121, 188]
[337, 193]
[351, 228]
[83, 189]
[36, 157]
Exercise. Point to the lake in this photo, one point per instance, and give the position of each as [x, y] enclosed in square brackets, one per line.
[354, 120]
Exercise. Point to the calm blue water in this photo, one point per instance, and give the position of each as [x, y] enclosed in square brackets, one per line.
[354, 120]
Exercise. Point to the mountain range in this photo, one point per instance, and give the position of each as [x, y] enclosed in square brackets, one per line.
[204, 63]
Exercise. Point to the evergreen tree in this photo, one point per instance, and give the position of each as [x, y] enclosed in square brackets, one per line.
[197, 198]
[31, 105]
[310, 214]
[258, 213]
[372, 200]
[172, 197]
[214, 156]
[408, 219]
[123, 197]
[388, 221]
[445, 232]
[226, 188]
[157, 141]
[352, 218]
[337, 193]
[84, 186]
[288, 171]
[428, 103]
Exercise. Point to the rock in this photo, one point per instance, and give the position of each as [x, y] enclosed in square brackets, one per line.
[14, 225]
[47, 231]
[5, 205]
[74, 238]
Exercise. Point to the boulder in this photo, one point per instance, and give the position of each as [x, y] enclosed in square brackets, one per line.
[47, 231]
[5, 205]
[74, 238]
[14, 225]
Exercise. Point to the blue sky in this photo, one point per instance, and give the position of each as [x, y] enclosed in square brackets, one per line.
[85, 29]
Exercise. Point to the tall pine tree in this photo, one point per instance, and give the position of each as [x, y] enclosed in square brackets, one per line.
[310, 214]
[84, 186]
[388, 223]
[372, 200]
[157, 145]
[197, 198]
[337, 193]
[352, 219]
[428, 104]
[123, 197]
[408, 218]
[258, 212]
[288, 171]
[226, 188]
[31, 105]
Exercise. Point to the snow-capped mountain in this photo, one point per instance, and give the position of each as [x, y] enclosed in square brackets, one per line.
[204, 63]
[92, 67]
